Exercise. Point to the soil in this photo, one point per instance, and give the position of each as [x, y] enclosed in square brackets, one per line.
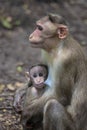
[16, 55]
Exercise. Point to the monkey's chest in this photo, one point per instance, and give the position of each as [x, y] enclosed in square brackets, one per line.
[37, 92]
[32, 94]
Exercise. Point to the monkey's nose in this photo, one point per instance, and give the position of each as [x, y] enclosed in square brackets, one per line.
[30, 37]
[38, 80]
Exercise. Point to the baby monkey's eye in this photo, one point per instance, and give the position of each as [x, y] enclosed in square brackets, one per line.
[34, 75]
[40, 74]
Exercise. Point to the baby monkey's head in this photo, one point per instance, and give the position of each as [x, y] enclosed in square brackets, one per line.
[38, 74]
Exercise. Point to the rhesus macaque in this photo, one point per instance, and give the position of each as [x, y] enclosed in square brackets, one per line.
[68, 75]
[37, 74]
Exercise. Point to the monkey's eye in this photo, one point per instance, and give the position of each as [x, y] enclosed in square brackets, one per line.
[34, 75]
[40, 74]
[39, 28]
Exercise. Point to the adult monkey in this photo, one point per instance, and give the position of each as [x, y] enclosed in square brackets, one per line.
[66, 99]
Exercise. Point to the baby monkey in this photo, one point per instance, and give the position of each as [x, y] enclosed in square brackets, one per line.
[35, 87]
[36, 76]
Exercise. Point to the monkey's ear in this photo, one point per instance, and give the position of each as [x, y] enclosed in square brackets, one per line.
[27, 76]
[62, 31]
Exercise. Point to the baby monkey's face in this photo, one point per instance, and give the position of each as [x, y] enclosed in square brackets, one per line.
[38, 75]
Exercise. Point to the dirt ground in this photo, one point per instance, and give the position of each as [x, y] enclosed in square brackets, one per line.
[16, 55]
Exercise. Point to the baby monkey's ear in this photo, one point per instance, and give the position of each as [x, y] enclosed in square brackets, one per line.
[27, 76]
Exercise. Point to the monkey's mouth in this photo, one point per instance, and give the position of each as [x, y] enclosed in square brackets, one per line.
[34, 44]
[41, 85]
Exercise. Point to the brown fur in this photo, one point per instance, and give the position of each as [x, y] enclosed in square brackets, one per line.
[66, 99]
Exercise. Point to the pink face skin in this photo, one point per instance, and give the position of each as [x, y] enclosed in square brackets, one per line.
[38, 76]
[39, 80]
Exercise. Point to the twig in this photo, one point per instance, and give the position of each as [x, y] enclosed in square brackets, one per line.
[9, 108]
[5, 95]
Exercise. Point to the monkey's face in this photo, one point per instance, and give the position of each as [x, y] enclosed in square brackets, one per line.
[38, 76]
[49, 29]
[44, 30]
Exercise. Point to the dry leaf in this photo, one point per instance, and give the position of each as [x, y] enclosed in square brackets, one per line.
[1, 115]
[19, 69]
[10, 87]
[1, 99]
[4, 110]
[8, 122]
[18, 84]
[2, 86]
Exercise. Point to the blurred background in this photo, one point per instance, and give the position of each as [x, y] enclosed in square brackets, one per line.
[17, 21]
